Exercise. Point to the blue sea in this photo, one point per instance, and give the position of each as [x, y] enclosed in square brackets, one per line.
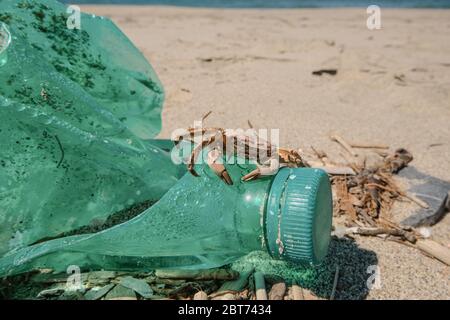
[277, 3]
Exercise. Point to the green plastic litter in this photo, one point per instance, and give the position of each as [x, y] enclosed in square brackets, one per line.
[78, 110]
[84, 183]
[199, 223]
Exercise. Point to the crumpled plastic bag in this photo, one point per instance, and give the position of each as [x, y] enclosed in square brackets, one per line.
[78, 110]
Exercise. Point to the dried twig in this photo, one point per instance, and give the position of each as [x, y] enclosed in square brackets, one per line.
[409, 236]
[335, 281]
[213, 274]
[434, 249]
[369, 146]
[206, 115]
[344, 144]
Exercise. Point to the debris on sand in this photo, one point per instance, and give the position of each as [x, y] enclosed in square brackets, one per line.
[366, 198]
[331, 72]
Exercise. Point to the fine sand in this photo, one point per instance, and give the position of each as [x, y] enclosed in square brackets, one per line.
[392, 86]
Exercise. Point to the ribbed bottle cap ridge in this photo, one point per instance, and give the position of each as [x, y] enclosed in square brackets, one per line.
[299, 215]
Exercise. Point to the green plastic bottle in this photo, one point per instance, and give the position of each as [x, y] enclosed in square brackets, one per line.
[202, 223]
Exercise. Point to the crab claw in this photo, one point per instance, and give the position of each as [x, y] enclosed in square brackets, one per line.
[221, 172]
[218, 168]
[192, 171]
[252, 175]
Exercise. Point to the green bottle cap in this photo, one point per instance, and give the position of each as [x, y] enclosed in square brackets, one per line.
[298, 215]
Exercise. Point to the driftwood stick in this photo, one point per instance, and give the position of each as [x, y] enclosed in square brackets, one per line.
[344, 144]
[409, 236]
[434, 249]
[206, 115]
[213, 274]
[369, 146]
[335, 281]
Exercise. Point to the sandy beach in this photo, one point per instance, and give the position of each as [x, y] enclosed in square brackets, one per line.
[392, 86]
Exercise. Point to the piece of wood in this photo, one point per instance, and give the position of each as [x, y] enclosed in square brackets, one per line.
[277, 291]
[210, 274]
[260, 286]
[344, 144]
[201, 295]
[368, 146]
[409, 236]
[435, 250]
[335, 281]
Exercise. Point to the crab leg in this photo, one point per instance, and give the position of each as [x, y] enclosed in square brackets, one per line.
[192, 133]
[197, 150]
[218, 168]
[273, 168]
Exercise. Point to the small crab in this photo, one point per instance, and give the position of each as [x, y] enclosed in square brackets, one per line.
[246, 145]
